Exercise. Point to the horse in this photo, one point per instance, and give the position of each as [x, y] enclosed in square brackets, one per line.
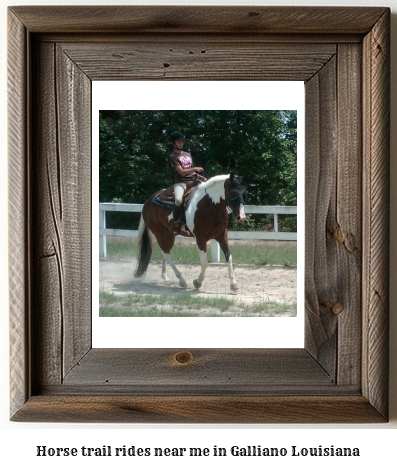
[207, 216]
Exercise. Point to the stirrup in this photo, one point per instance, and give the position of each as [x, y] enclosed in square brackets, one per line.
[177, 212]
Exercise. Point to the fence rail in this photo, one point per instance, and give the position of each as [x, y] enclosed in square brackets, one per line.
[215, 250]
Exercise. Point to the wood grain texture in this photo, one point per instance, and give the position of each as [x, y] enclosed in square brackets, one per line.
[376, 91]
[333, 215]
[19, 224]
[199, 409]
[48, 302]
[207, 369]
[346, 228]
[321, 279]
[73, 109]
[245, 37]
[341, 376]
[63, 218]
[199, 60]
[199, 19]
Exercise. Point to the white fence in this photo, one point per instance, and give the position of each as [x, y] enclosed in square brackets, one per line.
[215, 250]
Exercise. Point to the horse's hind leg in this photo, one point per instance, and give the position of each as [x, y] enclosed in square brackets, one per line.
[229, 259]
[168, 259]
[166, 242]
[164, 270]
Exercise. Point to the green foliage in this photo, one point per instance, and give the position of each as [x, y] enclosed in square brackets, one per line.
[134, 151]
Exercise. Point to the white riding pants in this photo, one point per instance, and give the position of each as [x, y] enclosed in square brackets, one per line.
[179, 190]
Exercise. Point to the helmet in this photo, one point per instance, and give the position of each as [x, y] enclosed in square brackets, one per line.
[176, 135]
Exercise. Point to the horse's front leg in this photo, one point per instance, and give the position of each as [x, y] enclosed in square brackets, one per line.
[202, 248]
[233, 283]
[204, 263]
[229, 259]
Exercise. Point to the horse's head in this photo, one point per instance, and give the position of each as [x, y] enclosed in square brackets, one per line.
[237, 193]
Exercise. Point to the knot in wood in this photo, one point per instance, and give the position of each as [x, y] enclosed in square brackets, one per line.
[183, 358]
[337, 308]
[338, 235]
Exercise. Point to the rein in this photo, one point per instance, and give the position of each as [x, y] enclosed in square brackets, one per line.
[206, 175]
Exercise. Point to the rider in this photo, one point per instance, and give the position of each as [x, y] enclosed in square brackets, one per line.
[185, 172]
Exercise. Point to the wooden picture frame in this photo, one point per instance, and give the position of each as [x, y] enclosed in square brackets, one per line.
[342, 54]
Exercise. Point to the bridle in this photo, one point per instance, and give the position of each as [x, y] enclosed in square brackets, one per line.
[239, 199]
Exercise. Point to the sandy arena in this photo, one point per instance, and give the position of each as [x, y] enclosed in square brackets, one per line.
[258, 284]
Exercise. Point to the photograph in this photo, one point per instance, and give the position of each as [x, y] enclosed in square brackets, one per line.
[213, 196]
[227, 250]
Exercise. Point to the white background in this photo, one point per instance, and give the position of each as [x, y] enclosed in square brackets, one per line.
[377, 442]
[200, 332]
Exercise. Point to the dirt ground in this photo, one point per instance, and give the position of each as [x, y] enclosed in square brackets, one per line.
[257, 284]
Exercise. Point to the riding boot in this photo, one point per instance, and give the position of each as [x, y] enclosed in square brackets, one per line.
[177, 213]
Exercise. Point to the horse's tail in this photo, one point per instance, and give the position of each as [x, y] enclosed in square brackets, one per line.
[144, 249]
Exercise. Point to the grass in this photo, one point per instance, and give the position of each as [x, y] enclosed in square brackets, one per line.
[282, 253]
[183, 299]
[185, 305]
[255, 253]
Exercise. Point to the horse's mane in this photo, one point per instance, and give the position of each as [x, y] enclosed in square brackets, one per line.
[213, 181]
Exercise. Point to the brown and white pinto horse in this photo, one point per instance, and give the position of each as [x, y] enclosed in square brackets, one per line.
[207, 218]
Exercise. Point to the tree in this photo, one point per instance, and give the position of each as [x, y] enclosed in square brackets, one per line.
[134, 151]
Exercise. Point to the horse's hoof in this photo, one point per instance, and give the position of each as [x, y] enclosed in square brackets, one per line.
[234, 287]
[197, 285]
[182, 284]
[165, 278]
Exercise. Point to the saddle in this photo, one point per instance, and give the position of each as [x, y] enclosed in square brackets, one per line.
[166, 197]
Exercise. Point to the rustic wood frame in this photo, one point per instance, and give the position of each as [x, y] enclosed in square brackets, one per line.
[342, 373]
